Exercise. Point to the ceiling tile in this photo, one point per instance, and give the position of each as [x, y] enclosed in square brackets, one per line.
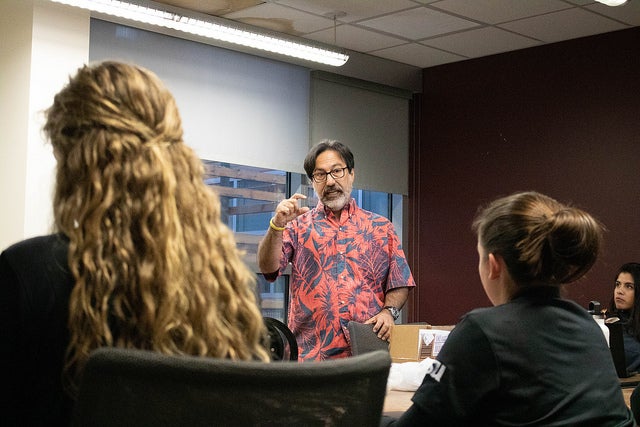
[213, 7]
[355, 38]
[480, 42]
[354, 10]
[629, 13]
[281, 18]
[553, 26]
[427, 32]
[418, 23]
[418, 55]
[496, 11]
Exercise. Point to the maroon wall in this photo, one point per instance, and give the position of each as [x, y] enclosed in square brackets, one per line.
[562, 119]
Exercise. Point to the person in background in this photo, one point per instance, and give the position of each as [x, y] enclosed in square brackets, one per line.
[347, 263]
[623, 305]
[534, 358]
[140, 258]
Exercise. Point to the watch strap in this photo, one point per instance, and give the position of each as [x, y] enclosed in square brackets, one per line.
[395, 313]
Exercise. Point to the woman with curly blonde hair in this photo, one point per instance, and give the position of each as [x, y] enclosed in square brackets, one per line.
[140, 259]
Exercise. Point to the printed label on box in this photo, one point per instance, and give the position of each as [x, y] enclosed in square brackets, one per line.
[432, 341]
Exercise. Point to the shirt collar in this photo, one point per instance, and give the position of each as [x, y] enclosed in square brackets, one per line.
[349, 208]
[538, 292]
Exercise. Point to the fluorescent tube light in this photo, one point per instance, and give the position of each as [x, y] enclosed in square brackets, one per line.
[213, 29]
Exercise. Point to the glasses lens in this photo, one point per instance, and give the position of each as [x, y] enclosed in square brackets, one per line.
[319, 176]
[338, 173]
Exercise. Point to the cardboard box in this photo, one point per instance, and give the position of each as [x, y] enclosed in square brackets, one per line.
[406, 346]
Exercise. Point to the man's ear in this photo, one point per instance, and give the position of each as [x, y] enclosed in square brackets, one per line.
[496, 266]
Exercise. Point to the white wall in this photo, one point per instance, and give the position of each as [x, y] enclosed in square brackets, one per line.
[42, 44]
[15, 58]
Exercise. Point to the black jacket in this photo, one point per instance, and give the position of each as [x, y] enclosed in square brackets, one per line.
[35, 284]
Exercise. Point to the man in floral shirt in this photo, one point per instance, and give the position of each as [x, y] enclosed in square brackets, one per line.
[347, 263]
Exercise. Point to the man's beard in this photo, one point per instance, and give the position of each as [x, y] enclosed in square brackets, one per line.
[337, 201]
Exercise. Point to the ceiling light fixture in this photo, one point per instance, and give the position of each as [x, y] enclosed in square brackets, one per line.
[212, 28]
[612, 2]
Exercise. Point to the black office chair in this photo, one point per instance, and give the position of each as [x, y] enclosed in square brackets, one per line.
[616, 346]
[125, 387]
[283, 344]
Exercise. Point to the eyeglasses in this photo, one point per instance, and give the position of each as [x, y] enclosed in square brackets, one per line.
[336, 173]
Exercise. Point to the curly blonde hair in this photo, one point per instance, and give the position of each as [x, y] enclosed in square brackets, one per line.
[154, 266]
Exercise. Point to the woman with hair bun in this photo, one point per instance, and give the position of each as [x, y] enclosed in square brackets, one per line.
[140, 258]
[534, 358]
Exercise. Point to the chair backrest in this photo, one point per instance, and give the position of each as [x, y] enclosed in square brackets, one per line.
[124, 387]
[363, 339]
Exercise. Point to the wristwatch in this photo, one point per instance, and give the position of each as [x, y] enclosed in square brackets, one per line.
[394, 311]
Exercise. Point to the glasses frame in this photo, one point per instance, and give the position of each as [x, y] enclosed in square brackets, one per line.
[315, 175]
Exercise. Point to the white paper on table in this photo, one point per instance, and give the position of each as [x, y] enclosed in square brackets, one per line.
[408, 376]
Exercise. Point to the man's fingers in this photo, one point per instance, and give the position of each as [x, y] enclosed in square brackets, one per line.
[288, 209]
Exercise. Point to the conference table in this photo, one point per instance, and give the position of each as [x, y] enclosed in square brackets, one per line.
[396, 401]
[628, 385]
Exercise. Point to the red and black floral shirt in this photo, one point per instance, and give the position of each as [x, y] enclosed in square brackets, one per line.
[341, 270]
